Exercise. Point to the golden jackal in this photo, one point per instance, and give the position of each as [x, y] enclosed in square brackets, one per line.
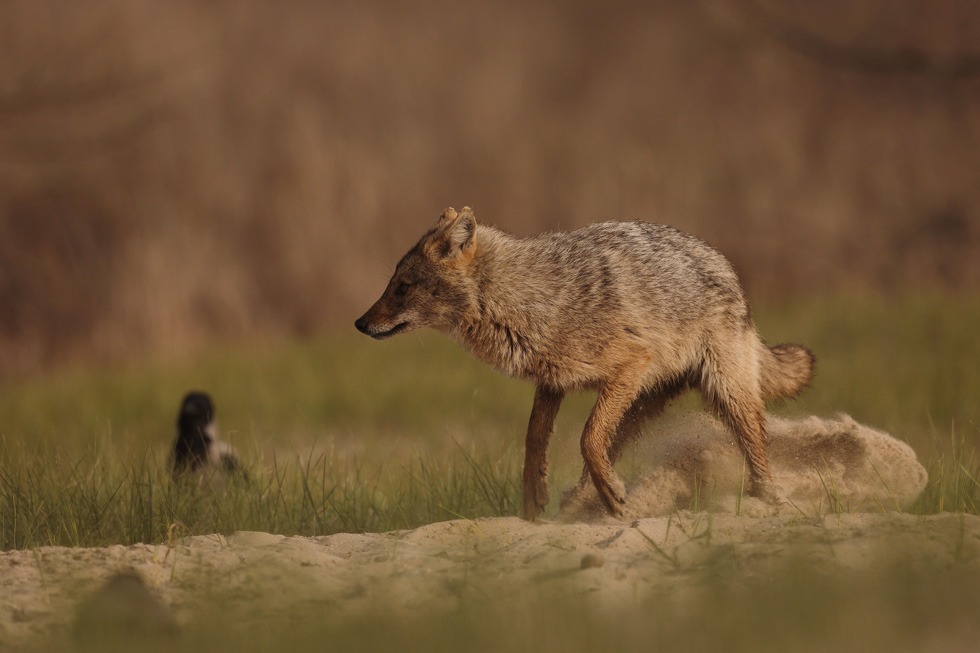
[635, 311]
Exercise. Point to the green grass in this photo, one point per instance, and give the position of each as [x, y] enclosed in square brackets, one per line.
[99, 500]
[342, 433]
[909, 365]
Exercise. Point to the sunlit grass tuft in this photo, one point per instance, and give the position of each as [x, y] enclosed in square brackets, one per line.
[954, 478]
[96, 501]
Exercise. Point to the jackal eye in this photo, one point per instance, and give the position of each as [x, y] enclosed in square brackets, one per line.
[401, 289]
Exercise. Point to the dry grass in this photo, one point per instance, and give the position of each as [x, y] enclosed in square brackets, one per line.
[172, 173]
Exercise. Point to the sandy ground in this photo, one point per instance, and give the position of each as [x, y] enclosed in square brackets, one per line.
[440, 566]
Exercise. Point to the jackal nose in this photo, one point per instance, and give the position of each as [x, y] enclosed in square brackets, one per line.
[361, 324]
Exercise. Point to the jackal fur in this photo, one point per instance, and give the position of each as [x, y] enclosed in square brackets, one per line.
[635, 311]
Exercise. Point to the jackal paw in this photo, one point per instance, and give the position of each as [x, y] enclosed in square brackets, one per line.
[767, 490]
[535, 499]
[613, 495]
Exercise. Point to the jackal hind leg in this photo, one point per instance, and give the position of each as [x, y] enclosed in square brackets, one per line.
[748, 424]
[739, 403]
[539, 430]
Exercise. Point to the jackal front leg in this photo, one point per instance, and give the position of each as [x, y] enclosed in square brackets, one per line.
[606, 415]
[539, 430]
[647, 406]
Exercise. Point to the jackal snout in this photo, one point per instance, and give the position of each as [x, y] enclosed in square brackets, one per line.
[375, 324]
[363, 324]
[397, 311]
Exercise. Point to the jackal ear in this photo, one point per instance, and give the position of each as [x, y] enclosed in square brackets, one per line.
[456, 234]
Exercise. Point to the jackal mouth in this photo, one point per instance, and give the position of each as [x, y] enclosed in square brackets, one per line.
[393, 331]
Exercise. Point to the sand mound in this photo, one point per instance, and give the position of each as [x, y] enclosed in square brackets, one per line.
[818, 464]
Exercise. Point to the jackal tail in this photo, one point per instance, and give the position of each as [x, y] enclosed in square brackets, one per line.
[786, 370]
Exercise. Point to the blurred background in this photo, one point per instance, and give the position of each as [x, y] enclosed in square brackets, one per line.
[175, 174]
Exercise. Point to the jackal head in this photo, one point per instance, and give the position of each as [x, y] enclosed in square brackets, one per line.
[431, 285]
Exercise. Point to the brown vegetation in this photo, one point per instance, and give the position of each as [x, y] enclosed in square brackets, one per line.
[176, 172]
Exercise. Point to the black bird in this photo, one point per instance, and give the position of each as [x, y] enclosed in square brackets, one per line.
[197, 446]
